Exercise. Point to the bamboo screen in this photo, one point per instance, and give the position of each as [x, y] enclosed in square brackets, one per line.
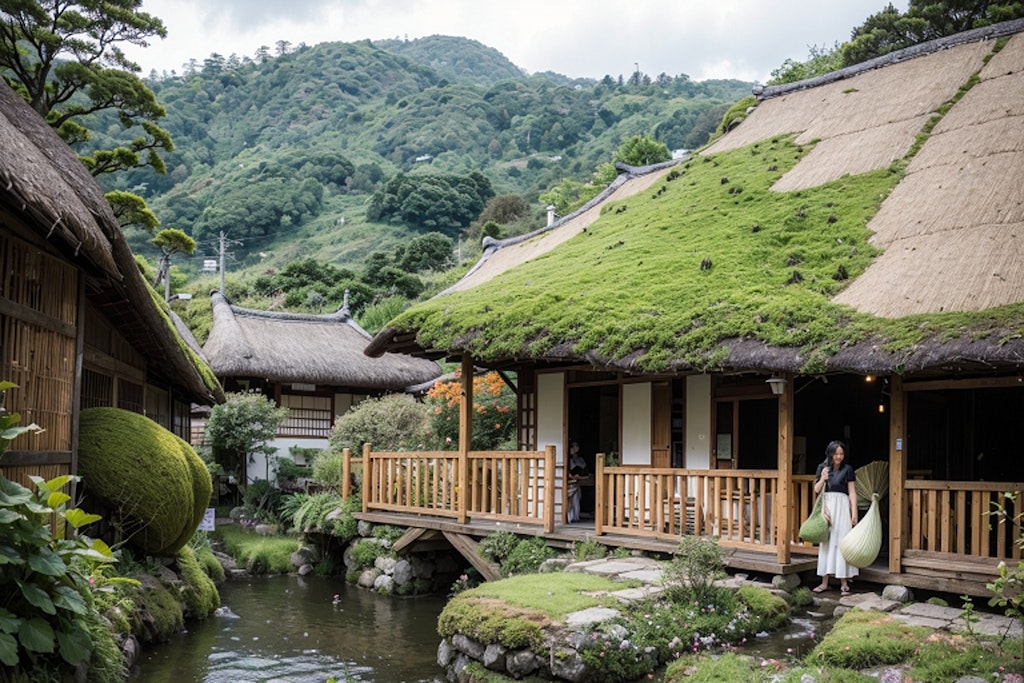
[38, 314]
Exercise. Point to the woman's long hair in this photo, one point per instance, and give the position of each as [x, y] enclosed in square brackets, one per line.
[830, 450]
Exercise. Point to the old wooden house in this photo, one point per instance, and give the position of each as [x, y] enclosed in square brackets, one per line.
[845, 263]
[312, 364]
[79, 326]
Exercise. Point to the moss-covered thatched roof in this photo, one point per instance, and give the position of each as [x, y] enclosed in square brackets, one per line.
[871, 224]
[47, 191]
[303, 347]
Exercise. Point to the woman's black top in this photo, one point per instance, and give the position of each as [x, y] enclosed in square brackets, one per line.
[838, 481]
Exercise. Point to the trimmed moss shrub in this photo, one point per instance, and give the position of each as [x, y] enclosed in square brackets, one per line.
[199, 593]
[396, 422]
[146, 481]
[768, 611]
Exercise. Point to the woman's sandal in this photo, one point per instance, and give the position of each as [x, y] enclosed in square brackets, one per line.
[819, 589]
[845, 590]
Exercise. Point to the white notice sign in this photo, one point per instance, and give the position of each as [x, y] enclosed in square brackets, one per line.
[208, 520]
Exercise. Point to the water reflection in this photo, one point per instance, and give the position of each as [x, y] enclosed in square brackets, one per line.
[291, 629]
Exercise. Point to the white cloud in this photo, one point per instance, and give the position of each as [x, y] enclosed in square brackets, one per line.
[742, 39]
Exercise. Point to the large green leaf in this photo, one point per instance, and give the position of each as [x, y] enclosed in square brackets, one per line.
[13, 493]
[8, 650]
[9, 621]
[8, 516]
[70, 599]
[47, 562]
[37, 597]
[75, 645]
[78, 518]
[9, 555]
[57, 498]
[36, 635]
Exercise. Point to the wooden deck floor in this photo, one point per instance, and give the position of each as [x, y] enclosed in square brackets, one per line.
[565, 535]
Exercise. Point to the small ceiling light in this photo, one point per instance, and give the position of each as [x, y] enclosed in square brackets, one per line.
[778, 384]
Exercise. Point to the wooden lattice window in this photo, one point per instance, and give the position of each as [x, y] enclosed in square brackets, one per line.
[308, 415]
[97, 389]
[38, 317]
[129, 395]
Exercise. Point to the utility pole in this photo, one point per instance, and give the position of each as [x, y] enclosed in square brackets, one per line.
[223, 250]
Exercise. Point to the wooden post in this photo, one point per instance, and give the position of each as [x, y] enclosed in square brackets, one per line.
[346, 473]
[782, 504]
[599, 494]
[369, 478]
[465, 437]
[897, 472]
[549, 489]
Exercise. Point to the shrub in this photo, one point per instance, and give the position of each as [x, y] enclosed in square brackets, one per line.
[198, 592]
[690, 576]
[768, 611]
[243, 425]
[327, 468]
[494, 420]
[527, 557]
[262, 501]
[396, 422]
[366, 551]
[498, 545]
[147, 481]
[589, 549]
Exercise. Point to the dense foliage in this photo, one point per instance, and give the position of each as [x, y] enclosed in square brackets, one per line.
[890, 29]
[242, 426]
[65, 60]
[431, 200]
[270, 149]
[494, 423]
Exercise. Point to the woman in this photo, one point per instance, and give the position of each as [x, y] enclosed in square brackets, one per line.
[836, 481]
[577, 470]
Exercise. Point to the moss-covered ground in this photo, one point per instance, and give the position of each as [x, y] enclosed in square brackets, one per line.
[258, 554]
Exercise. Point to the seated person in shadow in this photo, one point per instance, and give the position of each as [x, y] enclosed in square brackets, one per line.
[577, 470]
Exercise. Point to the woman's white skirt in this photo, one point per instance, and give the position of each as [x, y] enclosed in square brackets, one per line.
[830, 561]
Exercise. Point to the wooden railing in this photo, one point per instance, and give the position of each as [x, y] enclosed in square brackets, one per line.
[955, 517]
[734, 505]
[512, 486]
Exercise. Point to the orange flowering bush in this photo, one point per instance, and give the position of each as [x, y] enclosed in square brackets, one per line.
[494, 415]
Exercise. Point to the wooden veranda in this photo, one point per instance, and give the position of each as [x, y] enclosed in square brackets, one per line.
[950, 541]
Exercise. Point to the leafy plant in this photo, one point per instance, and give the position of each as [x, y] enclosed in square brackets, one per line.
[589, 549]
[395, 422]
[242, 426]
[528, 555]
[698, 562]
[494, 421]
[498, 545]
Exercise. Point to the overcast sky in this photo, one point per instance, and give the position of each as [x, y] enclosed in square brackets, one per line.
[743, 39]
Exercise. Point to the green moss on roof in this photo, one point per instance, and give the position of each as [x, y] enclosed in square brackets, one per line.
[710, 253]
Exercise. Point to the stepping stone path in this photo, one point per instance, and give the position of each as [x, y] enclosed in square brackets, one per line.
[648, 571]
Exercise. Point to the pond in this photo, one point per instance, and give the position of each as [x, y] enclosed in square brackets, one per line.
[290, 629]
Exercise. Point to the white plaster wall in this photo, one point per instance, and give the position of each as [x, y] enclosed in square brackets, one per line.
[258, 468]
[698, 422]
[636, 424]
[551, 421]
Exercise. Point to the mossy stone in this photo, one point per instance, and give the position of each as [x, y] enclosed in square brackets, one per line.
[142, 478]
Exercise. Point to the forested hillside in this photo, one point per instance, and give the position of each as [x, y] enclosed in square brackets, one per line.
[284, 153]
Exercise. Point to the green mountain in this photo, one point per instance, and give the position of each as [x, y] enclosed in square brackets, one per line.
[282, 154]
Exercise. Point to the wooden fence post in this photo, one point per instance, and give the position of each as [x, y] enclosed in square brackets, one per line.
[346, 473]
[549, 489]
[598, 494]
[369, 478]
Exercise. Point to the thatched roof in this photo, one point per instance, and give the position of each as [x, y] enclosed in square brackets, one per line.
[306, 348]
[45, 189]
[933, 136]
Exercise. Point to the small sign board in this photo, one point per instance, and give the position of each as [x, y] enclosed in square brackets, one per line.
[210, 265]
[208, 523]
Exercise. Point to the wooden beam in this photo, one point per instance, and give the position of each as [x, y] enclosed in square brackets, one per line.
[781, 504]
[411, 536]
[465, 436]
[897, 473]
[969, 383]
[467, 547]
